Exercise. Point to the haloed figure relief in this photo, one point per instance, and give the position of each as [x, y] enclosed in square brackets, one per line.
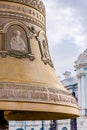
[17, 42]
[45, 50]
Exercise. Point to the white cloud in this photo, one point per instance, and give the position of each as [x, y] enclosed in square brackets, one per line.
[64, 22]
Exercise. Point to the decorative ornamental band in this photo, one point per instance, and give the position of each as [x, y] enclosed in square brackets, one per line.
[37, 4]
[34, 93]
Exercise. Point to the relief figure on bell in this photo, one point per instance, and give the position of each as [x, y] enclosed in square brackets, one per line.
[45, 50]
[17, 42]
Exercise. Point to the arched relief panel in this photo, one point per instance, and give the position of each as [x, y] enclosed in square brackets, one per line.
[17, 42]
[43, 45]
[1, 41]
[1, 36]
[10, 29]
[5, 28]
[16, 39]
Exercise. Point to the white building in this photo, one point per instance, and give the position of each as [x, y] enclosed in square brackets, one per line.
[81, 69]
[76, 85]
[29, 125]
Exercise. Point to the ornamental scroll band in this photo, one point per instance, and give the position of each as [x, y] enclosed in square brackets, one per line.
[38, 4]
[33, 93]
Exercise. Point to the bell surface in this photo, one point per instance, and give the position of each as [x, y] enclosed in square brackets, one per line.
[29, 86]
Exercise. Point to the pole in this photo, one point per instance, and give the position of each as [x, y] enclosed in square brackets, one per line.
[24, 125]
[73, 122]
[42, 125]
[53, 125]
[3, 122]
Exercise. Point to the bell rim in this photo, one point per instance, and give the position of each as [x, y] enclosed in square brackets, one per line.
[12, 110]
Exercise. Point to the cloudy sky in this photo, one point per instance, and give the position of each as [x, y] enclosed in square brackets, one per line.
[66, 32]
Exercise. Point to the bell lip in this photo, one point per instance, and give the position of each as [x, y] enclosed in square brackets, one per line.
[20, 116]
[38, 111]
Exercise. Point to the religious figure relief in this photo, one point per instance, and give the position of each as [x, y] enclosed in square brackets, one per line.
[43, 45]
[17, 42]
[45, 50]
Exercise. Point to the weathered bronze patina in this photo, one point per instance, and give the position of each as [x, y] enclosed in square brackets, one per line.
[29, 86]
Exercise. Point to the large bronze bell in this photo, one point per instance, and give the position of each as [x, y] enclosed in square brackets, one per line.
[29, 86]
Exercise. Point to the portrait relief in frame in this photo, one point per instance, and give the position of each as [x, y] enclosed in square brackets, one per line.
[16, 39]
